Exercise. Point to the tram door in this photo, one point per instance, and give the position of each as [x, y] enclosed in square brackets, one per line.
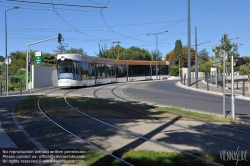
[100, 73]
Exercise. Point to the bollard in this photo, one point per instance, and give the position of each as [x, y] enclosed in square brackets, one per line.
[184, 79]
[21, 88]
[207, 84]
[181, 78]
[248, 86]
[196, 83]
[243, 88]
[0, 88]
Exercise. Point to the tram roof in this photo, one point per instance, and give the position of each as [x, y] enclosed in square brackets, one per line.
[136, 62]
[159, 62]
[120, 62]
[77, 57]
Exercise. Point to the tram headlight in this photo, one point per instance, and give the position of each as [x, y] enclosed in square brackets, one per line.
[62, 58]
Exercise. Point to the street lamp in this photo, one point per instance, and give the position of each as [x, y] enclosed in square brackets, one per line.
[6, 57]
[156, 55]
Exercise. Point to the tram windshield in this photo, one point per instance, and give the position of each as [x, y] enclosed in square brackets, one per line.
[65, 69]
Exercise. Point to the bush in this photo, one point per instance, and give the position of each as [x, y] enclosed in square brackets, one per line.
[174, 70]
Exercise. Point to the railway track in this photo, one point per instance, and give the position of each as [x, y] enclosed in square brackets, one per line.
[228, 130]
[63, 127]
[135, 134]
[116, 96]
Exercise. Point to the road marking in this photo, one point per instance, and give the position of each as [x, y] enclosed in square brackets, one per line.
[5, 141]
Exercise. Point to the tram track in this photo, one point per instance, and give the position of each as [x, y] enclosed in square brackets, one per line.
[76, 135]
[138, 135]
[201, 132]
[120, 129]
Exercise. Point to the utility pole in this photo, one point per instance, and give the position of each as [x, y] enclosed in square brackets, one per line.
[189, 45]
[156, 51]
[118, 48]
[196, 58]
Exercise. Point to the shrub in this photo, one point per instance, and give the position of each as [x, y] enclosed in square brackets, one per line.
[174, 71]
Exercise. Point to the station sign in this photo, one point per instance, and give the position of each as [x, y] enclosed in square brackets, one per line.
[38, 57]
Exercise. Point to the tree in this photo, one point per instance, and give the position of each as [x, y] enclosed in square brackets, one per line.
[2, 70]
[76, 50]
[178, 56]
[48, 60]
[102, 51]
[113, 52]
[245, 69]
[206, 66]
[230, 48]
[157, 54]
[1, 58]
[204, 56]
[185, 56]
[18, 60]
[135, 53]
[170, 57]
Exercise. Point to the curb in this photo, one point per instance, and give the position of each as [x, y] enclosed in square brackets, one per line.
[20, 127]
[210, 92]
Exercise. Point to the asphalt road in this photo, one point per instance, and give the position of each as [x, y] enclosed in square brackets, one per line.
[167, 93]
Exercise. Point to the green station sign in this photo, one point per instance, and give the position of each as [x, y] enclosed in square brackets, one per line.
[38, 57]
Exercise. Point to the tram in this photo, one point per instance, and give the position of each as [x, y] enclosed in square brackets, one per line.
[75, 70]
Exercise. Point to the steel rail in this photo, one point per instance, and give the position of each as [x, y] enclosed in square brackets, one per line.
[71, 133]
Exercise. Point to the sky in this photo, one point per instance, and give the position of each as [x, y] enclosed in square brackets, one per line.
[84, 25]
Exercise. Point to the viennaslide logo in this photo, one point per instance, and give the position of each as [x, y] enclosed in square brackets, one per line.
[235, 155]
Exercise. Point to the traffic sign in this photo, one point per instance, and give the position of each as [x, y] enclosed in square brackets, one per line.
[223, 54]
[8, 61]
[216, 62]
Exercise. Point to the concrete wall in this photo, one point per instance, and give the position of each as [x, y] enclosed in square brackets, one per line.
[43, 76]
[185, 71]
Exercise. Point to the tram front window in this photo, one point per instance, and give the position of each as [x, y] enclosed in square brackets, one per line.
[65, 69]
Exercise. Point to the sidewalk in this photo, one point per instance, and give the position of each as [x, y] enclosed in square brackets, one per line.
[202, 87]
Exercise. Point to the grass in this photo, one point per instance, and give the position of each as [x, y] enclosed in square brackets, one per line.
[201, 116]
[150, 158]
[55, 106]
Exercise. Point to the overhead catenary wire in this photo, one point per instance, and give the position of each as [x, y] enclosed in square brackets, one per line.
[57, 4]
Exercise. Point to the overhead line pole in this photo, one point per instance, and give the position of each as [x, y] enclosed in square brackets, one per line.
[189, 45]
[156, 53]
[118, 48]
[6, 52]
[196, 58]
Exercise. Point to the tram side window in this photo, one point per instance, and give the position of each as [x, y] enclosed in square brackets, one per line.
[84, 71]
[91, 71]
[78, 71]
[139, 70]
[100, 70]
[121, 71]
[112, 70]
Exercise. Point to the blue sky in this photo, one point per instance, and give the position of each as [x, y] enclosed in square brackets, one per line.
[127, 21]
